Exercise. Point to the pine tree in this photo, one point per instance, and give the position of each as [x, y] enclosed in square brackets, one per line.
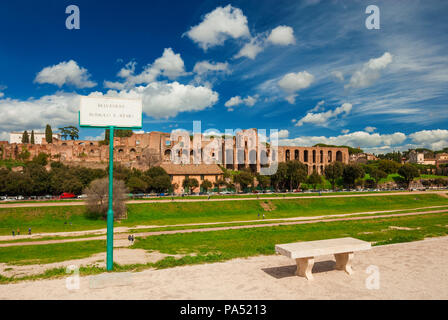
[32, 137]
[48, 134]
[25, 137]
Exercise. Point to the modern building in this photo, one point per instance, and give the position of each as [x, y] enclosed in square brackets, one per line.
[16, 137]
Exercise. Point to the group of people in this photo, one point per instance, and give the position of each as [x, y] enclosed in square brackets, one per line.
[18, 232]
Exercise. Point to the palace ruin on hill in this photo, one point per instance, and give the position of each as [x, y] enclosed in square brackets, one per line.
[158, 149]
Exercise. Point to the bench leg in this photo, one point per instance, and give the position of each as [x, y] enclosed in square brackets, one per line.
[304, 267]
[344, 262]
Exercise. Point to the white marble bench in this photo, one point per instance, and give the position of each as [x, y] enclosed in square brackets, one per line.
[304, 253]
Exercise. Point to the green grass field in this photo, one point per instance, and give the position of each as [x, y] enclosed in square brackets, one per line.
[40, 254]
[71, 218]
[214, 246]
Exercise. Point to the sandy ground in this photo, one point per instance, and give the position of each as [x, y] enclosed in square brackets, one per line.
[415, 270]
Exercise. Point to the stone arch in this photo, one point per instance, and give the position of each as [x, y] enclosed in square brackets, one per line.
[321, 156]
[167, 154]
[330, 156]
[132, 150]
[287, 155]
[296, 154]
[339, 156]
[314, 156]
[305, 156]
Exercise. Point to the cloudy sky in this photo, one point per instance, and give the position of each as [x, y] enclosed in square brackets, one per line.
[310, 69]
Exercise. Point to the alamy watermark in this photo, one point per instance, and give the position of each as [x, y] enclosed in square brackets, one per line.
[73, 21]
[231, 147]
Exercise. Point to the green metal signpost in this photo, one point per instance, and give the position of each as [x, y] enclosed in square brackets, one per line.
[111, 113]
[110, 212]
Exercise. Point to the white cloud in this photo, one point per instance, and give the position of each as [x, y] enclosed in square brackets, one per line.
[324, 117]
[218, 26]
[59, 109]
[432, 139]
[68, 73]
[293, 82]
[369, 72]
[318, 106]
[96, 138]
[369, 129]
[282, 35]
[164, 100]
[282, 134]
[204, 67]
[250, 50]
[170, 65]
[291, 98]
[345, 131]
[338, 75]
[355, 139]
[237, 100]
[1, 94]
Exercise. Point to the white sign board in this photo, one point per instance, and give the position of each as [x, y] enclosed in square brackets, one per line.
[106, 112]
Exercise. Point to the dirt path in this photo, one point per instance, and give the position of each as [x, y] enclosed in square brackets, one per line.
[414, 270]
[303, 220]
[81, 203]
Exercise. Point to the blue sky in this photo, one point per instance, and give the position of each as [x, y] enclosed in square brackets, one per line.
[310, 69]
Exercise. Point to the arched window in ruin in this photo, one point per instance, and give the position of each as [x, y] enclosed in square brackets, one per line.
[132, 150]
[64, 144]
[314, 168]
[296, 154]
[120, 151]
[91, 143]
[321, 156]
[339, 156]
[287, 155]
[314, 156]
[305, 156]
[81, 143]
[330, 156]
[167, 154]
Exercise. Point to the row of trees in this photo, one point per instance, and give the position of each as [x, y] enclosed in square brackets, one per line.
[68, 131]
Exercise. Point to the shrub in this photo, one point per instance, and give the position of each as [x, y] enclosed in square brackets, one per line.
[98, 198]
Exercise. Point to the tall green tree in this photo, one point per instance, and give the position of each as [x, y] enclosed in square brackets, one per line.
[32, 137]
[25, 137]
[296, 173]
[206, 184]
[190, 184]
[333, 172]
[48, 134]
[408, 172]
[377, 174]
[314, 179]
[351, 173]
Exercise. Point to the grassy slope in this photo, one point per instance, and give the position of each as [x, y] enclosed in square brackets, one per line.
[214, 246]
[51, 219]
[41, 254]
[228, 244]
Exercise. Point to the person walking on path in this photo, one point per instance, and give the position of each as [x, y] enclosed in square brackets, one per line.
[13, 234]
[18, 232]
[29, 231]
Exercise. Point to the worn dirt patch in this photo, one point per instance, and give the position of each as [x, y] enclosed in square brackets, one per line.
[402, 228]
[267, 206]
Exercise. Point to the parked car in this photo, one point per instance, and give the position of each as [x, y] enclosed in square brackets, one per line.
[67, 195]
